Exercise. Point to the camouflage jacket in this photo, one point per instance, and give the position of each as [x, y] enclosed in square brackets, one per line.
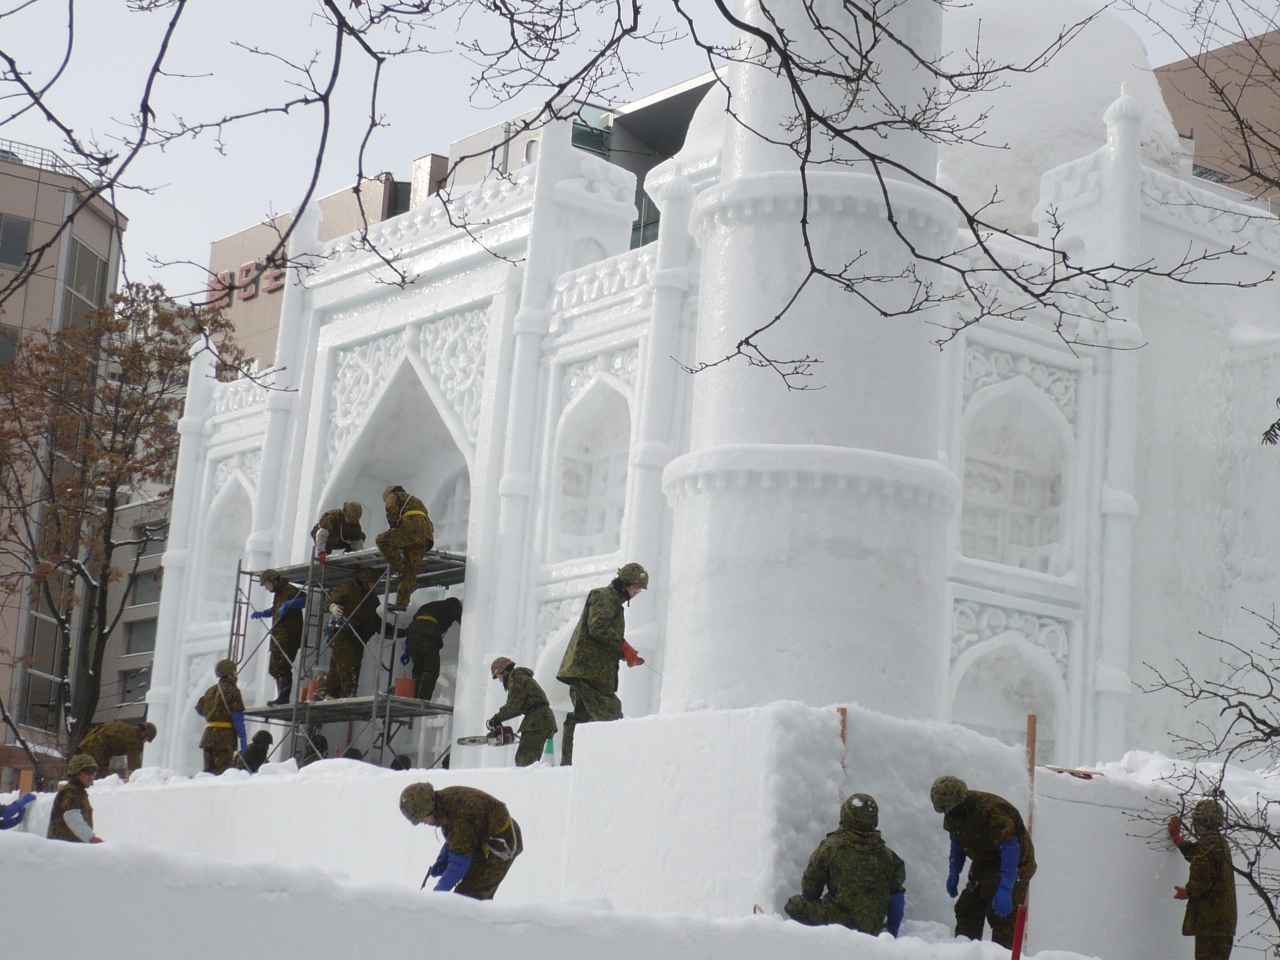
[400, 503]
[359, 608]
[432, 620]
[468, 818]
[342, 532]
[71, 796]
[1211, 888]
[114, 739]
[291, 623]
[525, 696]
[596, 646]
[859, 873]
[982, 823]
[220, 701]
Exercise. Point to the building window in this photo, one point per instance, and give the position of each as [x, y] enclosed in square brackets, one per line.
[15, 239]
[86, 284]
[134, 685]
[8, 343]
[146, 588]
[645, 228]
[155, 545]
[140, 636]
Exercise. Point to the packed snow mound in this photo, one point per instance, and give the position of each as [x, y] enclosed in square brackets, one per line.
[1037, 121]
[154, 904]
[1163, 778]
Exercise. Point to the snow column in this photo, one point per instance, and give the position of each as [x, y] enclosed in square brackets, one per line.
[808, 555]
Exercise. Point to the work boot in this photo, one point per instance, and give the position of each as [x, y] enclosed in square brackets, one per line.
[284, 686]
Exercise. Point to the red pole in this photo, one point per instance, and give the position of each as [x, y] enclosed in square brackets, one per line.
[1019, 929]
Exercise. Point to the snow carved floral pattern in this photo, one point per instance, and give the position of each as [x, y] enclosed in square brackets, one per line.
[361, 371]
[247, 462]
[984, 366]
[621, 364]
[454, 349]
[975, 622]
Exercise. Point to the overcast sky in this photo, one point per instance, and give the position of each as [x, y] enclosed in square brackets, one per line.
[205, 189]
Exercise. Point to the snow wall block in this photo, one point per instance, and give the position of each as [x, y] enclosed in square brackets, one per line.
[896, 761]
[709, 812]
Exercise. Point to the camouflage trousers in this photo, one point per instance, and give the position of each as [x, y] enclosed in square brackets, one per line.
[487, 872]
[592, 702]
[219, 746]
[424, 650]
[284, 643]
[1214, 948]
[343, 678]
[404, 547]
[536, 729]
[818, 913]
[974, 905]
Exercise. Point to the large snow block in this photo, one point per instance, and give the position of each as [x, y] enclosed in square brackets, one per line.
[896, 761]
[707, 813]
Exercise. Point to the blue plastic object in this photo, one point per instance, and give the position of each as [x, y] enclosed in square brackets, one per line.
[442, 861]
[897, 908]
[11, 814]
[237, 721]
[404, 657]
[457, 869]
[1002, 902]
[259, 614]
[957, 864]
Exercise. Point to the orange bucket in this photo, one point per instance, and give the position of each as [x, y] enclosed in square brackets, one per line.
[309, 689]
[406, 687]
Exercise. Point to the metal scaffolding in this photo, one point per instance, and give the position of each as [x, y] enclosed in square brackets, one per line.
[383, 712]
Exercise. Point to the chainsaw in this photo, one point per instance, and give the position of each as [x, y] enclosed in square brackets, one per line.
[498, 737]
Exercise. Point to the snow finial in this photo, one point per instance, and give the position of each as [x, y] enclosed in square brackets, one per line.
[1126, 107]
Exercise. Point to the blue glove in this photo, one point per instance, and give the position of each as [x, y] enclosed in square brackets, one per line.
[1002, 902]
[404, 657]
[237, 721]
[11, 813]
[897, 907]
[297, 603]
[259, 614]
[442, 861]
[457, 869]
[957, 864]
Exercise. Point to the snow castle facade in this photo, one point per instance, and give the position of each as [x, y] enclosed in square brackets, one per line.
[1013, 523]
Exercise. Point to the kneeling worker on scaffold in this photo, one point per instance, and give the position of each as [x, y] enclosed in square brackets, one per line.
[339, 529]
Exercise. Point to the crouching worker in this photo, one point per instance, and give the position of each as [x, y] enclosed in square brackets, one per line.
[259, 750]
[988, 830]
[524, 696]
[72, 815]
[480, 839]
[864, 880]
[1211, 887]
[115, 739]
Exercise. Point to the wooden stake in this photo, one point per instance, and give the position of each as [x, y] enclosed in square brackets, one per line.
[1019, 931]
[26, 781]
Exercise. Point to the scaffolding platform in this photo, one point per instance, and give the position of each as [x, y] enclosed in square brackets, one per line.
[352, 708]
[438, 569]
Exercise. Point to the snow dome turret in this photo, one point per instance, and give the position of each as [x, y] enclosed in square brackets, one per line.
[1036, 121]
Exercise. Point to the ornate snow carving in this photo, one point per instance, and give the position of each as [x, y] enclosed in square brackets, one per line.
[360, 372]
[984, 366]
[625, 275]
[247, 462]
[974, 622]
[237, 395]
[454, 349]
[622, 364]
[555, 614]
[199, 668]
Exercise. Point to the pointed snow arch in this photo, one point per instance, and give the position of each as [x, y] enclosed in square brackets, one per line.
[226, 530]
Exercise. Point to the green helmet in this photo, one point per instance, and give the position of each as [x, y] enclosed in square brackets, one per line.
[499, 665]
[352, 511]
[149, 731]
[633, 573]
[81, 763]
[417, 802]
[947, 793]
[264, 737]
[270, 575]
[1208, 815]
[391, 489]
[860, 812]
[224, 668]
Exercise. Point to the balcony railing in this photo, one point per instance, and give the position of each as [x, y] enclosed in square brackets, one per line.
[30, 156]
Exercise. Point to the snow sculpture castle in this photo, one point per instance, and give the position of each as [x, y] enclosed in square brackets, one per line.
[1008, 525]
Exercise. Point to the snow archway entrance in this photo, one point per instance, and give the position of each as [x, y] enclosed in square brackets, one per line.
[591, 474]
[228, 526]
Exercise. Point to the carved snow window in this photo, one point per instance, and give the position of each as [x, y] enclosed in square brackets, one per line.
[228, 528]
[451, 512]
[595, 442]
[1013, 488]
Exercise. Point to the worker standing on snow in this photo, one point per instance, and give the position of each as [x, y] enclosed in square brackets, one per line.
[590, 664]
[864, 880]
[988, 830]
[72, 815]
[524, 696]
[223, 710]
[1211, 887]
[115, 739]
[481, 841]
[339, 530]
[287, 602]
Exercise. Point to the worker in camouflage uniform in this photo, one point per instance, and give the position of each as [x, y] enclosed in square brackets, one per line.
[1211, 887]
[480, 839]
[259, 750]
[524, 696]
[287, 602]
[424, 639]
[354, 608]
[989, 831]
[118, 738]
[865, 881]
[407, 540]
[223, 710]
[339, 530]
[590, 664]
[72, 815]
